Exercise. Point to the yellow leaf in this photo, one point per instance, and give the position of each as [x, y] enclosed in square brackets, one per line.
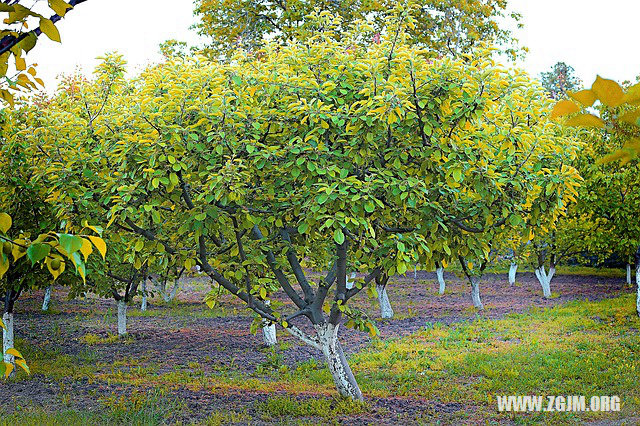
[100, 245]
[630, 117]
[49, 28]
[8, 368]
[564, 108]
[585, 120]
[23, 364]
[585, 97]
[608, 91]
[2, 324]
[59, 7]
[5, 222]
[633, 95]
[263, 293]
[21, 64]
[86, 248]
[55, 272]
[14, 352]
[19, 249]
[4, 264]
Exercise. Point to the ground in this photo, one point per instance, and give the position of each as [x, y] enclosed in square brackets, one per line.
[437, 361]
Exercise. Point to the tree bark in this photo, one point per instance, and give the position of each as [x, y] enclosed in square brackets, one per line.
[340, 371]
[143, 305]
[46, 299]
[269, 331]
[638, 287]
[513, 269]
[475, 293]
[7, 340]
[122, 317]
[385, 306]
[440, 274]
[545, 280]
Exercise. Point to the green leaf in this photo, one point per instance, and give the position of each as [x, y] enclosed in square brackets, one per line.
[70, 243]
[38, 251]
[302, 228]
[369, 206]
[322, 198]
[338, 236]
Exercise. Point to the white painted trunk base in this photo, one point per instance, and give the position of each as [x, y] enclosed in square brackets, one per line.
[269, 331]
[340, 371]
[440, 274]
[475, 293]
[47, 299]
[545, 280]
[122, 318]
[7, 339]
[385, 306]
[513, 269]
[269, 335]
[628, 274]
[143, 305]
[638, 290]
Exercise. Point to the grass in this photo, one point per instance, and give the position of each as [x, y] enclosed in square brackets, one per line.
[134, 408]
[580, 348]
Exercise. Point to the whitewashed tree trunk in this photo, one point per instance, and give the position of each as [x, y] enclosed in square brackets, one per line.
[385, 306]
[269, 331]
[415, 273]
[440, 274]
[47, 299]
[122, 317]
[629, 274]
[143, 305]
[340, 371]
[513, 269]
[351, 280]
[475, 293]
[638, 290]
[7, 339]
[545, 280]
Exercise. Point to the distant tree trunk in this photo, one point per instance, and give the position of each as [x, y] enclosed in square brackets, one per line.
[47, 299]
[628, 274]
[143, 305]
[7, 334]
[338, 366]
[269, 331]
[513, 269]
[638, 281]
[475, 293]
[122, 317]
[386, 311]
[543, 277]
[440, 275]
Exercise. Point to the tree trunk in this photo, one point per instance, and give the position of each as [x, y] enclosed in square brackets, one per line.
[638, 289]
[7, 340]
[475, 293]
[385, 306]
[269, 331]
[440, 274]
[340, 371]
[545, 280]
[122, 317]
[628, 274]
[47, 299]
[513, 269]
[143, 305]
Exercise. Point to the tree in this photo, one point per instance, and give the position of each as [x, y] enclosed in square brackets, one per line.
[443, 26]
[16, 40]
[616, 126]
[335, 155]
[560, 81]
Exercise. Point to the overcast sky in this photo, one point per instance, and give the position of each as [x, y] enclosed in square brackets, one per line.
[593, 36]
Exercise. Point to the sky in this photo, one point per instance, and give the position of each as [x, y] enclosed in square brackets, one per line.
[593, 36]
